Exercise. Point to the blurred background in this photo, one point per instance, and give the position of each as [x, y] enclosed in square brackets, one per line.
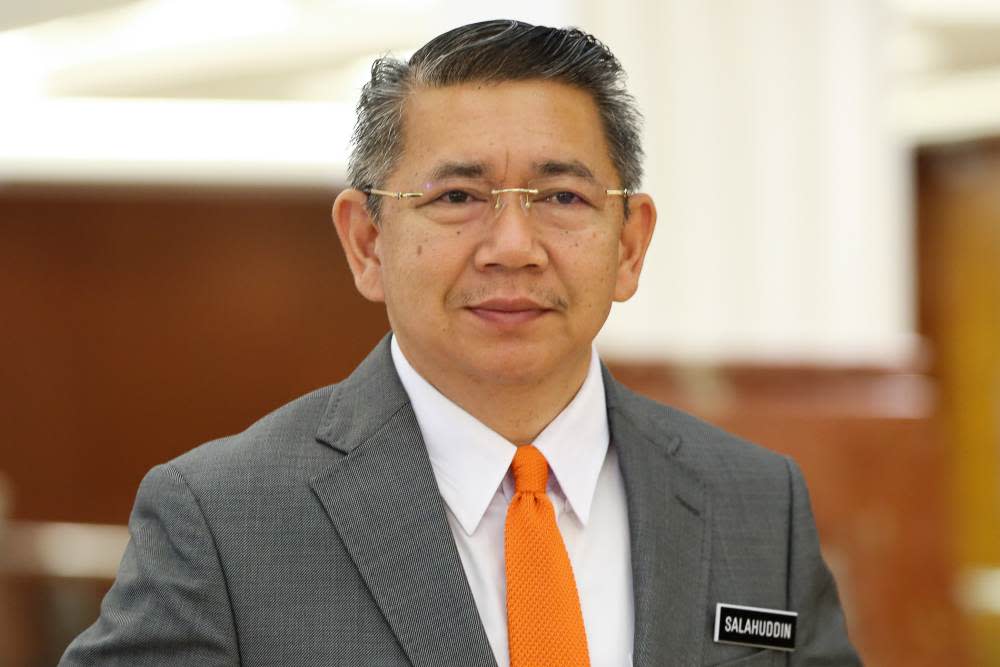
[825, 278]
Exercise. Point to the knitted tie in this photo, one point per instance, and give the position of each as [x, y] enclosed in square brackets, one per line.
[544, 621]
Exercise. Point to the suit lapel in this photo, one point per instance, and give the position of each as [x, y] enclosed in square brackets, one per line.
[669, 523]
[384, 502]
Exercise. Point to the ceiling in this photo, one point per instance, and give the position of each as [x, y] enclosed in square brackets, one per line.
[311, 49]
[118, 62]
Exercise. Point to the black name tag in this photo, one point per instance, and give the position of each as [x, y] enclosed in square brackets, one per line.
[753, 626]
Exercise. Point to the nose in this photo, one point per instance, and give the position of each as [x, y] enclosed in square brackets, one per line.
[511, 240]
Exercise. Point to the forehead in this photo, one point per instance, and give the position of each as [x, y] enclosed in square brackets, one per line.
[511, 128]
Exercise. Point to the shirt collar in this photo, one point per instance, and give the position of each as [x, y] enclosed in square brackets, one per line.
[575, 443]
[470, 460]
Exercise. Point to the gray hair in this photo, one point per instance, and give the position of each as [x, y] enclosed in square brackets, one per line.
[492, 51]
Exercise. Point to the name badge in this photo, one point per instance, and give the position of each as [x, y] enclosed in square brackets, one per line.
[753, 626]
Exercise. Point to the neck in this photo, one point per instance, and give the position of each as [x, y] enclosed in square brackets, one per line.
[516, 410]
[519, 412]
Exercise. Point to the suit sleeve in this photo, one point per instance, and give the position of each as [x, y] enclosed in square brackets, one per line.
[821, 633]
[169, 604]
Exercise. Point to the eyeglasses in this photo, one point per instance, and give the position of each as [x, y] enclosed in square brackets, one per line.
[563, 201]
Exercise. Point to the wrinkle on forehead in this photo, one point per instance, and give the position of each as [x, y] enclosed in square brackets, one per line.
[481, 169]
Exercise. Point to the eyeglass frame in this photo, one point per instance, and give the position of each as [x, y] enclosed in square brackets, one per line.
[526, 202]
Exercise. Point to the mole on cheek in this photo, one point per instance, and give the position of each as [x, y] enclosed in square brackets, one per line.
[420, 249]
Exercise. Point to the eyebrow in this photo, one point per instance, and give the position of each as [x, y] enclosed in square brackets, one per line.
[560, 168]
[459, 170]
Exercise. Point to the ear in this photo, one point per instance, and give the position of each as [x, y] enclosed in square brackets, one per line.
[359, 236]
[636, 233]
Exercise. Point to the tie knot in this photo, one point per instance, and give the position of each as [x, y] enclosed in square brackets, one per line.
[531, 470]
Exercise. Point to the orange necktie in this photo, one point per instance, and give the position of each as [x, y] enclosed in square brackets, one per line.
[544, 621]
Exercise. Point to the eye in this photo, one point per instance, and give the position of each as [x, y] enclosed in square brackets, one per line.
[567, 198]
[455, 197]
[564, 198]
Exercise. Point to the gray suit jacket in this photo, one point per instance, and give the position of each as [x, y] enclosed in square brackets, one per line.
[318, 537]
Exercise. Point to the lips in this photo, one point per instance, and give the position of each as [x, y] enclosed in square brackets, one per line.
[509, 312]
[513, 305]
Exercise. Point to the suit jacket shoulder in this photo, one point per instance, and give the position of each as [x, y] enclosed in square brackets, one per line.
[315, 536]
[279, 446]
[716, 457]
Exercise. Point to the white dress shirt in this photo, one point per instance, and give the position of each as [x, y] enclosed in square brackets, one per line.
[471, 464]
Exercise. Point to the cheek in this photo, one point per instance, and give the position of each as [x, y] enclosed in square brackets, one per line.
[419, 267]
[401, 256]
[592, 268]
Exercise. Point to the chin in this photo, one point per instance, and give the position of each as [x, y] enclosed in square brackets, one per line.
[517, 364]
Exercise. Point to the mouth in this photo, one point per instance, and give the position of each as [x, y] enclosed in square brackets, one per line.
[509, 312]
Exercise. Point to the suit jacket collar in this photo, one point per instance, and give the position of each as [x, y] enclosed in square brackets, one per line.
[383, 501]
[364, 402]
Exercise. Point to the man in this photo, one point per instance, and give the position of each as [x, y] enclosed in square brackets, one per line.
[480, 491]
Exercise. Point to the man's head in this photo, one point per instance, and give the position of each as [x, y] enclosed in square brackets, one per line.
[492, 52]
[514, 146]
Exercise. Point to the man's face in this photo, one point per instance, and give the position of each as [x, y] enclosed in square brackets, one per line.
[507, 300]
